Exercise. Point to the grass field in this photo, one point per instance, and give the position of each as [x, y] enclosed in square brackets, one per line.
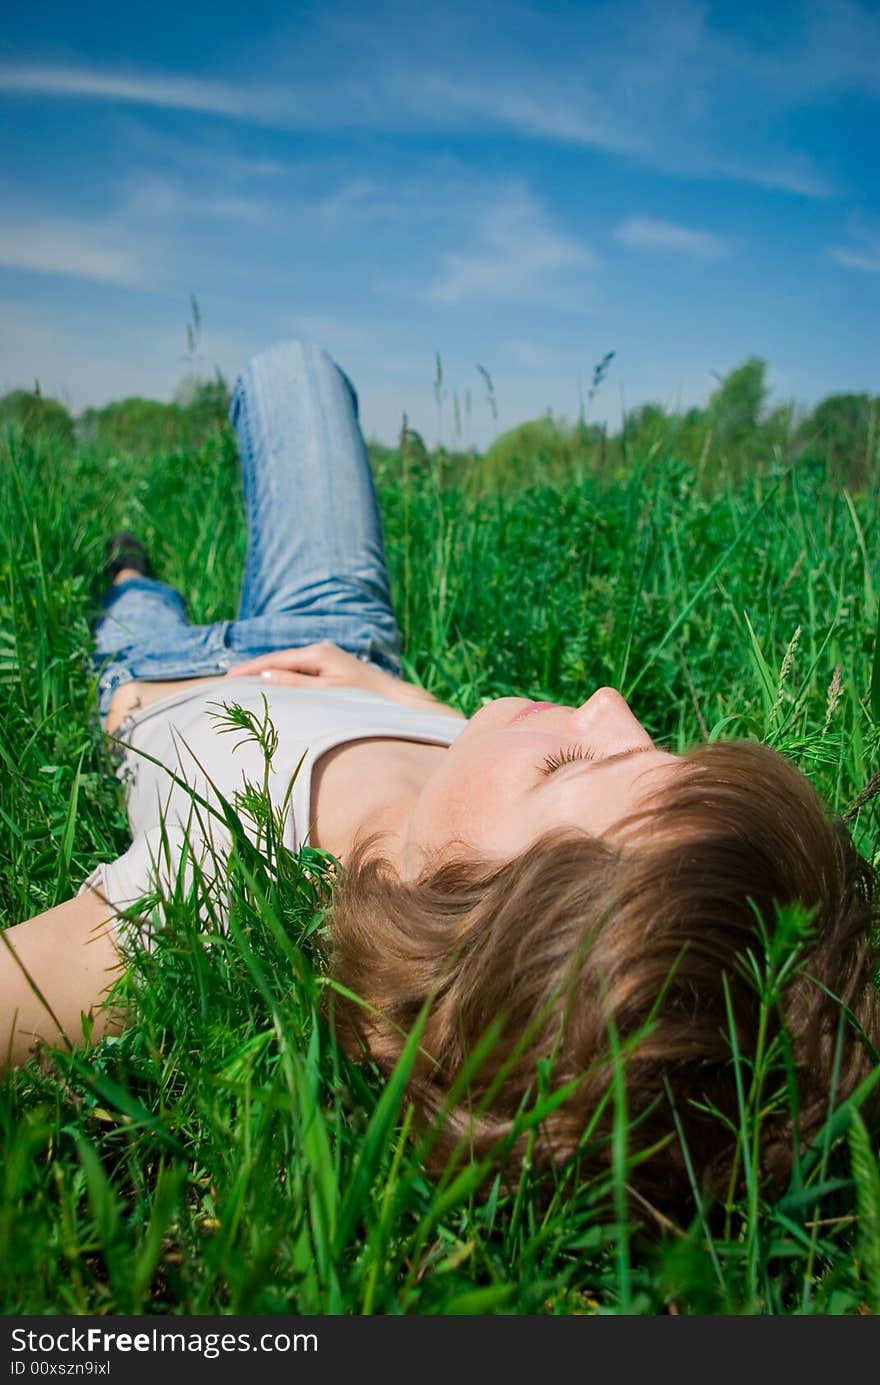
[222, 1155]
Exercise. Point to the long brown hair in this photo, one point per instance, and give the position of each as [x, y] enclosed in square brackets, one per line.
[655, 939]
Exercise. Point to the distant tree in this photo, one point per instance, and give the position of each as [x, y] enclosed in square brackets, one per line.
[542, 449]
[133, 425]
[205, 402]
[735, 409]
[644, 426]
[778, 430]
[540, 440]
[33, 413]
[741, 430]
[843, 431]
[691, 435]
[142, 426]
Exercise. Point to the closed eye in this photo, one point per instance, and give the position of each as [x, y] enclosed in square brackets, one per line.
[564, 756]
[578, 752]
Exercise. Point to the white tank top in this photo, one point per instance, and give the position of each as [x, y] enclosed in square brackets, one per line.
[183, 745]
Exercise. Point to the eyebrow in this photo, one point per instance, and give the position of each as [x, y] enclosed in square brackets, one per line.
[622, 754]
[611, 759]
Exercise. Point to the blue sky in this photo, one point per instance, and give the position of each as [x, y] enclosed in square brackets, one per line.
[519, 186]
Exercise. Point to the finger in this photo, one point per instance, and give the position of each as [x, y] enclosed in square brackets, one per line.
[302, 659]
[279, 677]
[279, 658]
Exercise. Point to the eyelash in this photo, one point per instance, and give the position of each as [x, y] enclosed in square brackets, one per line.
[564, 755]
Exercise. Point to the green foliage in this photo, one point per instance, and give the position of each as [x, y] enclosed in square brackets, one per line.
[843, 432]
[866, 1177]
[736, 409]
[133, 425]
[141, 427]
[544, 443]
[34, 414]
[222, 1155]
[735, 436]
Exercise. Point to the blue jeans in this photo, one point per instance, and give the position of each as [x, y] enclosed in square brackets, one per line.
[315, 566]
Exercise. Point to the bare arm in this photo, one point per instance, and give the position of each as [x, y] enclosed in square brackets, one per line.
[55, 968]
[326, 665]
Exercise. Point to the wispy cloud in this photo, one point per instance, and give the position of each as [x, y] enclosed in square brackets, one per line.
[356, 199]
[534, 109]
[865, 258]
[214, 152]
[139, 243]
[646, 233]
[519, 255]
[789, 172]
[155, 197]
[593, 81]
[82, 249]
[176, 93]
[853, 259]
[433, 100]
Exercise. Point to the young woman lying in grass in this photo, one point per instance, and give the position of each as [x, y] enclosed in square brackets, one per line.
[646, 923]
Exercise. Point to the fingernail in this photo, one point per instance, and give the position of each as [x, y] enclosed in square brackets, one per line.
[268, 674]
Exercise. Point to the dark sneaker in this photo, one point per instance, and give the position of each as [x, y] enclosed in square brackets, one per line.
[125, 550]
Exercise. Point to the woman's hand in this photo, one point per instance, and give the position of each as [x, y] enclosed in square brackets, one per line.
[322, 665]
[325, 665]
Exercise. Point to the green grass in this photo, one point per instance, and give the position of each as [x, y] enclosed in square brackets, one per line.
[222, 1155]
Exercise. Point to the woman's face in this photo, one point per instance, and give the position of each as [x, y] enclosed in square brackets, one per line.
[495, 790]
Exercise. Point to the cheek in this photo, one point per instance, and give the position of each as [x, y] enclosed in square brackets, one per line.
[463, 801]
[486, 808]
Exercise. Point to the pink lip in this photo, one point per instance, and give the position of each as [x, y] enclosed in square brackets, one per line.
[532, 708]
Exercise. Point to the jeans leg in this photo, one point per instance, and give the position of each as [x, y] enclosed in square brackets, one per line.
[315, 565]
[314, 529]
[144, 633]
[140, 609]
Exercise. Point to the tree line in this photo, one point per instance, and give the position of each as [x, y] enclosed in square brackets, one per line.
[735, 432]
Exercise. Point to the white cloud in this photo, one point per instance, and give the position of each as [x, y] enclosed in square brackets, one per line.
[176, 93]
[649, 81]
[866, 259]
[358, 199]
[154, 197]
[137, 244]
[215, 152]
[789, 173]
[647, 233]
[85, 250]
[539, 115]
[519, 255]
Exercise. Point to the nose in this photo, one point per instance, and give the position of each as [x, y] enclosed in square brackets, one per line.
[607, 722]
